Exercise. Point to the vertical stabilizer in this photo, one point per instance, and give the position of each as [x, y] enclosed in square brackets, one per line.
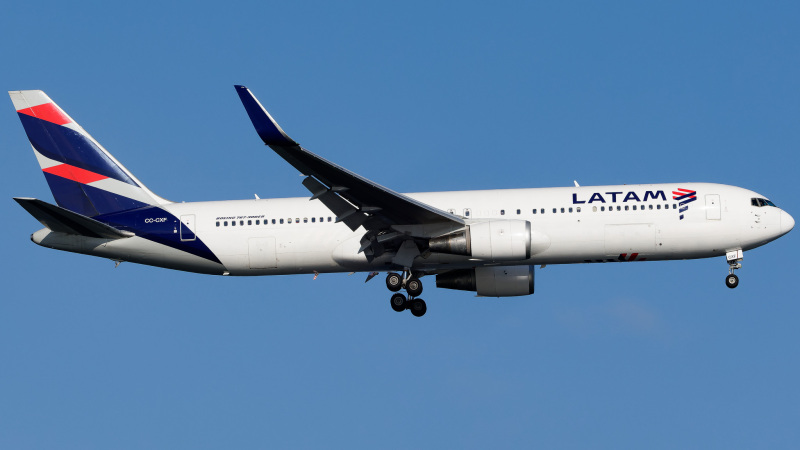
[82, 175]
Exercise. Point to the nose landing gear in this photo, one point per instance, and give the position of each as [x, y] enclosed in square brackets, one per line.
[734, 258]
[413, 287]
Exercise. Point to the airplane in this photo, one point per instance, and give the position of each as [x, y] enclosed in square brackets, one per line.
[485, 241]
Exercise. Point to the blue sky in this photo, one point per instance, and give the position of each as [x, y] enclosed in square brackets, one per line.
[417, 96]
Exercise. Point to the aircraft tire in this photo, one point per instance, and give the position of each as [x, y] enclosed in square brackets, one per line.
[394, 282]
[398, 302]
[731, 281]
[418, 307]
[414, 287]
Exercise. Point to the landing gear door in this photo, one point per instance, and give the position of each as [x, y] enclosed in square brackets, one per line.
[713, 207]
[187, 228]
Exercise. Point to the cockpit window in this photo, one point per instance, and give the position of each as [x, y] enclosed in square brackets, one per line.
[761, 202]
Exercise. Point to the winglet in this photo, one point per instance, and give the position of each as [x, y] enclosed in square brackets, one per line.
[266, 127]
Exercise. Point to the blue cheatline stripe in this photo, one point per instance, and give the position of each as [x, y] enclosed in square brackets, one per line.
[64, 145]
[166, 232]
[70, 195]
[685, 195]
[686, 202]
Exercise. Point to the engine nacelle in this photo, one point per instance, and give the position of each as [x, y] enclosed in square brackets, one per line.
[498, 240]
[495, 281]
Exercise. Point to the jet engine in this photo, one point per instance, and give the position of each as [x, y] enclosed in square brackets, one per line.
[495, 281]
[498, 240]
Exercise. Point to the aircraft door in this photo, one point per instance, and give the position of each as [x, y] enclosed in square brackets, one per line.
[712, 207]
[262, 253]
[187, 228]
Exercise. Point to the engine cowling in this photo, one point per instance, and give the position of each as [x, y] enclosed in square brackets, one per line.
[495, 281]
[498, 240]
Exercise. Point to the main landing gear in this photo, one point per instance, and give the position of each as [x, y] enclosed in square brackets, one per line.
[734, 262]
[413, 287]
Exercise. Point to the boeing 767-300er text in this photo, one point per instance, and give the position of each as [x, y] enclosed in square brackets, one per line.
[482, 241]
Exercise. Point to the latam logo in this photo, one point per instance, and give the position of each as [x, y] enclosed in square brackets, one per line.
[630, 196]
[684, 196]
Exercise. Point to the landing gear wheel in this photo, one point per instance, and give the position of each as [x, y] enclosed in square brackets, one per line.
[731, 281]
[418, 307]
[414, 287]
[398, 302]
[394, 282]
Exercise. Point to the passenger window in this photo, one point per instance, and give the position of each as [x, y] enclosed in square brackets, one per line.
[562, 210]
[313, 219]
[619, 208]
[233, 223]
[542, 210]
[626, 207]
[650, 206]
[634, 207]
[305, 219]
[467, 212]
[451, 211]
[273, 221]
[602, 208]
[225, 223]
[594, 208]
[570, 210]
[329, 218]
[578, 209]
[217, 223]
[534, 210]
[281, 221]
[519, 212]
[241, 222]
[502, 212]
[555, 210]
[658, 206]
[297, 220]
[249, 222]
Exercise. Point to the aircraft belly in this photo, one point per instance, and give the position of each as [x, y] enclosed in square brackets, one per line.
[134, 249]
[275, 252]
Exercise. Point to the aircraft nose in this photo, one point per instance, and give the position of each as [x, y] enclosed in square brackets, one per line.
[787, 222]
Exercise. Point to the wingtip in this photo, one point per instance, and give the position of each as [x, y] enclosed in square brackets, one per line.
[268, 130]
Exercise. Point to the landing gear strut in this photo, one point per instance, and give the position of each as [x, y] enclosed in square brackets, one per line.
[413, 287]
[734, 263]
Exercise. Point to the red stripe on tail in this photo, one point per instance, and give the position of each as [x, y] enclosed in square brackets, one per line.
[48, 112]
[75, 173]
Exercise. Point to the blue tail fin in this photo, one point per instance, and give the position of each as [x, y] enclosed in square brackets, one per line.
[83, 176]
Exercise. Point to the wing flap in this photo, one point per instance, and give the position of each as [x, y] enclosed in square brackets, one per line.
[63, 220]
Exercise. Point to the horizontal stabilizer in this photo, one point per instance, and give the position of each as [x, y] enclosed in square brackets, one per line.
[63, 220]
[268, 130]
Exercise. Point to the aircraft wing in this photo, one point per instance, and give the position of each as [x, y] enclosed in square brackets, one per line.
[354, 199]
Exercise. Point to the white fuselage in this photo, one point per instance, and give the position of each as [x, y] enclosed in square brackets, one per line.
[570, 225]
